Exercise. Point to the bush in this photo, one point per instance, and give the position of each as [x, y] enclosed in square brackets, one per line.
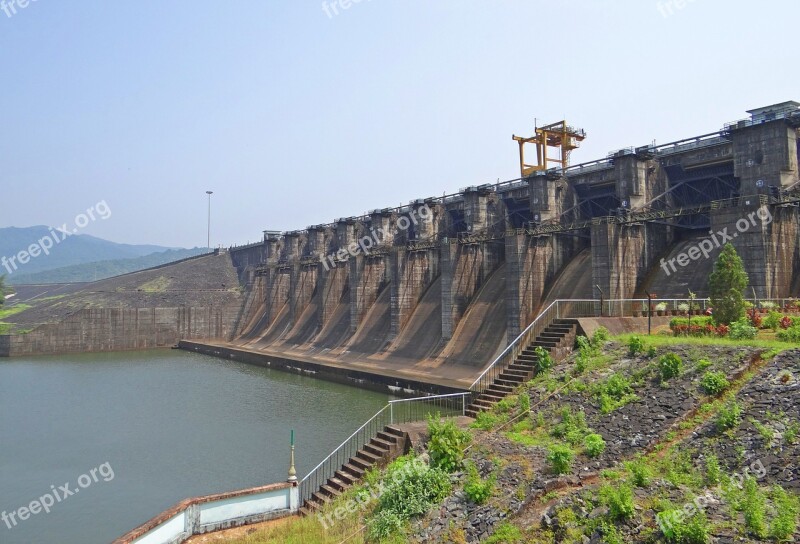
[560, 458]
[600, 337]
[544, 361]
[678, 529]
[447, 444]
[701, 321]
[640, 472]
[572, 427]
[524, 403]
[635, 345]
[614, 393]
[619, 501]
[670, 366]
[729, 416]
[652, 351]
[594, 445]
[754, 506]
[791, 334]
[417, 491]
[784, 524]
[477, 489]
[742, 330]
[772, 321]
[714, 383]
[713, 470]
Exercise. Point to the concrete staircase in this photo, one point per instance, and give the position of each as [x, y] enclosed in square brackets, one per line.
[558, 339]
[388, 445]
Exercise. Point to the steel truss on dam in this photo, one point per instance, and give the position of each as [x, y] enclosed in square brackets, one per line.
[448, 280]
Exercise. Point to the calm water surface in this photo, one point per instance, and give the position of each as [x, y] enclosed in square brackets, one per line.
[169, 424]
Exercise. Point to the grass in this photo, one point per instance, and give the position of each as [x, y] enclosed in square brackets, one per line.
[14, 310]
[668, 341]
[157, 285]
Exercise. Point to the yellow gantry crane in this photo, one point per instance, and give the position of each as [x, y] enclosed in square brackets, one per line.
[553, 146]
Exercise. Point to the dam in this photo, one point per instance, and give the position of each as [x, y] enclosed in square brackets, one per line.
[431, 292]
[457, 277]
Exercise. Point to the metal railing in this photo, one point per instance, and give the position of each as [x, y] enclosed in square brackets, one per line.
[395, 412]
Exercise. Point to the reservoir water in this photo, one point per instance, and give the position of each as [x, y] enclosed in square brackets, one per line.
[156, 427]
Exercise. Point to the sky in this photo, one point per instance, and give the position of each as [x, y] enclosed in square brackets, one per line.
[298, 112]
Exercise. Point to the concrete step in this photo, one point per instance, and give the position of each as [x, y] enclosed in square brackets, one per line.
[495, 391]
[329, 491]
[376, 450]
[512, 372]
[364, 463]
[501, 388]
[361, 464]
[394, 431]
[388, 437]
[522, 368]
[346, 477]
[321, 498]
[508, 383]
[339, 484]
[381, 443]
[354, 470]
[305, 511]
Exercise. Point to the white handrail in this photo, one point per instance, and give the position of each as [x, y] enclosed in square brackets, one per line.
[512, 344]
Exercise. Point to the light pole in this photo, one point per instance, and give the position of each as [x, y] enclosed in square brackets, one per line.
[209, 193]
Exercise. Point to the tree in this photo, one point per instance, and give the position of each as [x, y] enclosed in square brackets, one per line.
[2, 290]
[726, 286]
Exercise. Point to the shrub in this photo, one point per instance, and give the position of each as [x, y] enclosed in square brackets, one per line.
[420, 488]
[447, 444]
[714, 383]
[678, 529]
[619, 500]
[544, 361]
[772, 321]
[476, 488]
[754, 507]
[670, 366]
[791, 334]
[784, 524]
[560, 458]
[713, 470]
[594, 445]
[600, 337]
[661, 307]
[640, 472]
[787, 322]
[572, 426]
[790, 435]
[727, 284]
[703, 364]
[729, 416]
[652, 351]
[614, 393]
[742, 330]
[635, 345]
[524, 403]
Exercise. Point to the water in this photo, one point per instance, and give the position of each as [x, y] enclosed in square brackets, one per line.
[166, 425]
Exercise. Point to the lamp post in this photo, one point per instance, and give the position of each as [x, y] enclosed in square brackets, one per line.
[208, 243]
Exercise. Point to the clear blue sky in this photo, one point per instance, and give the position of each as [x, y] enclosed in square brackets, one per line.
[296, 118]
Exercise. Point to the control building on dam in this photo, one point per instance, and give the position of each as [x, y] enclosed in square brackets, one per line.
[440, 286]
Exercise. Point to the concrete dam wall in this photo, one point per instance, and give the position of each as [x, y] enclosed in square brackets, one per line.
[454, 278]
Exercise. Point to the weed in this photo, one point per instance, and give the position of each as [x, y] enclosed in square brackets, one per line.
[714, 383]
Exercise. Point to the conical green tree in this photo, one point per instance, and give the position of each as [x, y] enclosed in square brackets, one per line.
[726, 286]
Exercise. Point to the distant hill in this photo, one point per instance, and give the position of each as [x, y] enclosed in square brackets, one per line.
[74, 250]
[100, 270]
